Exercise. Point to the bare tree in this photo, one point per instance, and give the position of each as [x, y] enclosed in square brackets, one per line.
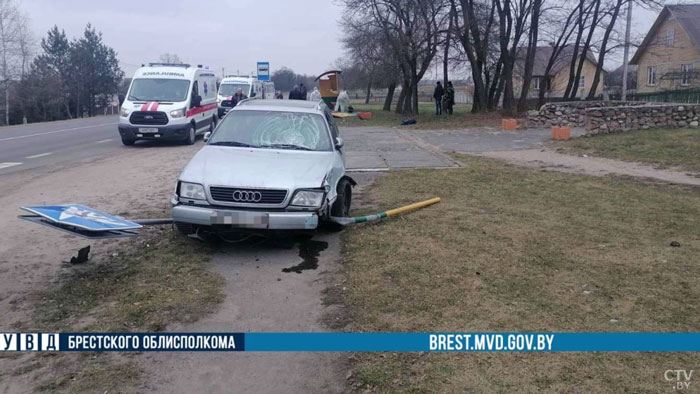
[15, 48]
[170, 58]
[412, 30]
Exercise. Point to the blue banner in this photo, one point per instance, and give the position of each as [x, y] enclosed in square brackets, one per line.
[353, 342]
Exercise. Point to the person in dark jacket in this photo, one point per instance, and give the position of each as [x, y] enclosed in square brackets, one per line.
[238, 97]
[302, 92]
[449, 98]
[437, 96]
[294, 93]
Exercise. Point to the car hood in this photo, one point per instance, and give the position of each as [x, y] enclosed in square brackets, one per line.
[257, 168]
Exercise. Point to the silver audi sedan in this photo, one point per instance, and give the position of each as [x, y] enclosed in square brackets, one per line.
[268, 165]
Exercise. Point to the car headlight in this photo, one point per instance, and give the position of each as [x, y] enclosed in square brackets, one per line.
[177, 113]
[124, 112]
[193, 191]
[308, 198]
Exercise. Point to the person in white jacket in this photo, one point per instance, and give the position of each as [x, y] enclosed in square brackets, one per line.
[315, 95]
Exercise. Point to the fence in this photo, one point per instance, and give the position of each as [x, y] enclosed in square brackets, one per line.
[460, 98]
[689, 96]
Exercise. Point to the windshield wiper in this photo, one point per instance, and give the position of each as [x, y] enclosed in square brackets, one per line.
[232, 143]
[286, 146]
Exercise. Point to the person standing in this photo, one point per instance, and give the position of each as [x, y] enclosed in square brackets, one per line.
[449, 98]
[238, 97]
[302, 92]
[437, 96]
[294, 93]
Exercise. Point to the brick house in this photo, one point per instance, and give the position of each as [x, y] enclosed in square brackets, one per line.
[669, 57]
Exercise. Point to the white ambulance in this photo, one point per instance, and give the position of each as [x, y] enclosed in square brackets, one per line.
[174, 102]
[251, 87]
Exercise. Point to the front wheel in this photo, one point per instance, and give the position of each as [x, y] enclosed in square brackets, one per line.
[341, 205]
[128, 142]
[191, 136]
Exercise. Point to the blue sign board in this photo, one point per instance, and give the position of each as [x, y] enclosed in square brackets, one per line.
[263, 71]
[82, 217]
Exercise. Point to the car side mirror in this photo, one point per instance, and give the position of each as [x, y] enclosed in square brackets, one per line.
[197, 100]
[339, 143]
[207, 135]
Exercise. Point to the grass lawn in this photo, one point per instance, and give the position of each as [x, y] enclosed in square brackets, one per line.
[661, 147]
[515, 249]
[426, 118]
[162, 278]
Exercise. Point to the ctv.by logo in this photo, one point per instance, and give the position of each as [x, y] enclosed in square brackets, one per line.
[679, 377]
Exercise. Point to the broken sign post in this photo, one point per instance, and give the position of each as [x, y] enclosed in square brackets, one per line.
[81, 220]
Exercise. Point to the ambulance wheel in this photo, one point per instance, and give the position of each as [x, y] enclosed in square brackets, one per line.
[128, 142]
[341, 205]
[191, 136]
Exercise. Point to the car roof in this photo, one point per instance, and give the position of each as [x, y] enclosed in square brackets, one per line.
[282, 105]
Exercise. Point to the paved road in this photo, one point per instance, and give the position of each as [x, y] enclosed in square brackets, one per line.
[34, 145]
[41, 144]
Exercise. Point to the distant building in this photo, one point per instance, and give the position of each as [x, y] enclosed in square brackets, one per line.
[558, 76]
[669, 57]
[613, 81]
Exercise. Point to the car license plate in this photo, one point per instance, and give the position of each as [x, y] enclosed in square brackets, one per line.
[148, 130]
[240, 219]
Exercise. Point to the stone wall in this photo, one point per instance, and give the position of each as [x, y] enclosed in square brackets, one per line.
[606, 119]
[570, 113]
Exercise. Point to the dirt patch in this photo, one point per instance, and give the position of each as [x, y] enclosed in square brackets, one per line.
[596, 166]
[134, 183]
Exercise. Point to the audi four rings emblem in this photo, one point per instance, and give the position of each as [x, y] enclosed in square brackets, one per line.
[247, 196]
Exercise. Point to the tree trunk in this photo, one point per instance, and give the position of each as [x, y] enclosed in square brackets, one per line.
[603, 49]
[369, 91]
[408, 99]
[530, 56]
[7, 106]
[402, 98]
[389, 97]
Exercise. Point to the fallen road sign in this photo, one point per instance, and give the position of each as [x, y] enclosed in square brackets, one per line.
[81, 220]
[82, 217]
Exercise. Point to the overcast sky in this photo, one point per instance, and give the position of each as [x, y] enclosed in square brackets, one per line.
[234, 34]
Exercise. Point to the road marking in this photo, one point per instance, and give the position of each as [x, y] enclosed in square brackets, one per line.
[103, 141]
[7, 165]
[39, 155]
[56, 131]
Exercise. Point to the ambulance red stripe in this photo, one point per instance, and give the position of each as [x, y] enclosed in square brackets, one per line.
[199, 110]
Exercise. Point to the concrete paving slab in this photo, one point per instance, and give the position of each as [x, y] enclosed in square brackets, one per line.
[387, 148]
[485, 139]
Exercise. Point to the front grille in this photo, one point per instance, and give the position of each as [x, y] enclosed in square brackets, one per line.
[148, 118]
[227, 103]
[268, 196]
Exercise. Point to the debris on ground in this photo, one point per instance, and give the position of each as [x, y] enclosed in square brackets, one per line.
[676, 244]
[82, 256]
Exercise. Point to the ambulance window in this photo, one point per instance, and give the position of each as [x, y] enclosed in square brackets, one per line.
[195, 92]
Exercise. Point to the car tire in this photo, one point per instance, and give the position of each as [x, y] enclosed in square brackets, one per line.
[191, 136]
[341, 205]
[128, 142]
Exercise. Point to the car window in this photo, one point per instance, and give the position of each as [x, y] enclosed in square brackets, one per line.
[334, 128]
[273, 129]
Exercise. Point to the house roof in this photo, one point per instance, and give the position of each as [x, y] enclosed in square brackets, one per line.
[687, 15]
[542, 56]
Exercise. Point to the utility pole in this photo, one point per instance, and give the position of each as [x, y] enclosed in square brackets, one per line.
[627, 50]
